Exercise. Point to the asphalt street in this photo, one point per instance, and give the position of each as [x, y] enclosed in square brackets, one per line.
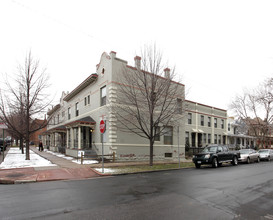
[240, 192]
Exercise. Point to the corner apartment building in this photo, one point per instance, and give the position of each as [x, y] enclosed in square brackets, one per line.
[74, 122]
[205, 125]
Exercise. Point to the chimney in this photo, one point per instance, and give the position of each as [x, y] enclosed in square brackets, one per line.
[113, 54]
[167, 72]
[137, 62]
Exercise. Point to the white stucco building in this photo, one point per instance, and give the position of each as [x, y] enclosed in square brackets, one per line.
[74, 122]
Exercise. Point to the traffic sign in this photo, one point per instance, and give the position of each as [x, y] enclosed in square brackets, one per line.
[102, 126]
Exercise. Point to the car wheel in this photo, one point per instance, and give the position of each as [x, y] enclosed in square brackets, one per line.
[235, 161]
[248, 160]
[214, 163]
[258, 160]
[268, 159]
[197, 165]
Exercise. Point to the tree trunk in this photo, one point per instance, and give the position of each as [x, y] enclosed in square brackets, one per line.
[151, 152]
[27, 150]
[22, 145]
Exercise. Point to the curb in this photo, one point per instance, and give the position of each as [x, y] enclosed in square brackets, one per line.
[139, 172]
[6, 181]
[24, 181]
[101, 174]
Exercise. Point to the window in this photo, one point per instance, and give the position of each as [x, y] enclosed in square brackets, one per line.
[87, 100]
[157, 131]
[219, 139]
[189, 118]
[202, 121]
[103, 96]
[58, 119]
[222, 124]
[168, 154]
[215, 139]
[228, 126]
[209, 121]
[209, 138]
[69, 113]
[168, 135]
[77, 109]
[179, 106]
[215, 122]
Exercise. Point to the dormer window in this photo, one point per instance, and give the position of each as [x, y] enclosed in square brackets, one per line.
[102, 72]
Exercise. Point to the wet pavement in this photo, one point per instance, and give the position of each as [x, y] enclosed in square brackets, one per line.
[64, 170]
[243, 192]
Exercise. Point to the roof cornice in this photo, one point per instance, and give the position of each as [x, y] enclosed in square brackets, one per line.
[82, 86]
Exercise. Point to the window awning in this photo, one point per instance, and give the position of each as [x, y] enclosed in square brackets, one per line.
[83, 121]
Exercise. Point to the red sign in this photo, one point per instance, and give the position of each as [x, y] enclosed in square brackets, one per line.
[102, 126]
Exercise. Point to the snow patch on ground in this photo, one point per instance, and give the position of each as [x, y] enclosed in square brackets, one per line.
[72, 159]
[106, 170]
[85, 161]
[15, 159]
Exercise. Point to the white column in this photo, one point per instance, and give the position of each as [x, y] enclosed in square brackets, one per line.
[67, 136]
[72, 137]
[79, 137]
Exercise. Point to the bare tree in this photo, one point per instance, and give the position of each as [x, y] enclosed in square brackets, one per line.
[255, 108]
[149, 100]
[25, 99]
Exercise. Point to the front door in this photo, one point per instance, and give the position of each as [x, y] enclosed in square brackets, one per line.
[193, 136]
[199, 140]
[86, 137]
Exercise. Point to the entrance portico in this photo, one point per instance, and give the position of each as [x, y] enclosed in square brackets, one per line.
[79, 135]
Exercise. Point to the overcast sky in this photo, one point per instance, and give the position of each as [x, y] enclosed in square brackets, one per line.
[218, 47]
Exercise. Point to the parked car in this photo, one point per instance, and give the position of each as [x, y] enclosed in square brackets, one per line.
[249, 155]
[215, 155]
[266, 154]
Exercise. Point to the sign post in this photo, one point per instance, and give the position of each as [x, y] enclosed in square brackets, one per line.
[102, 130]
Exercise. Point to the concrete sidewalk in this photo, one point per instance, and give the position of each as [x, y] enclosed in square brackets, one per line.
[64, 170]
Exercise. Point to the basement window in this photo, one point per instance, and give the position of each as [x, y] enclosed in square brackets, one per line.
[168, 154]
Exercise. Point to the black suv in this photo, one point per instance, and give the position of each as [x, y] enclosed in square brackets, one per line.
[215, 155]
